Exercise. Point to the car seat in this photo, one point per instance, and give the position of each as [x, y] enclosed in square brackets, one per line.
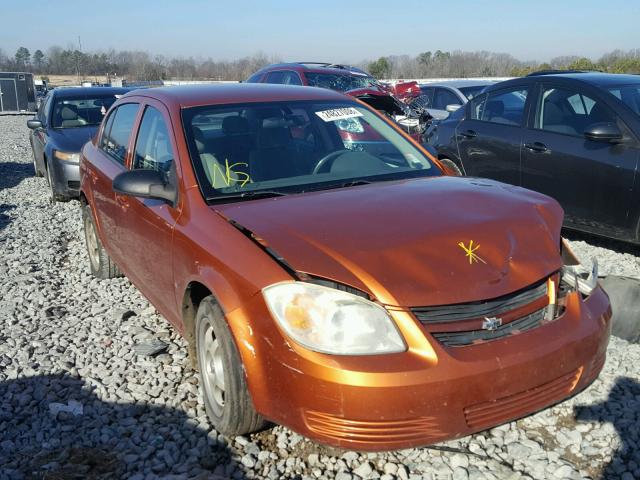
[275, 155]
[70, 118]
[215, 171]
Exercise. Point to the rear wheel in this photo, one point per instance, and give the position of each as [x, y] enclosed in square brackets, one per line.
[99, 261]
[224, 387]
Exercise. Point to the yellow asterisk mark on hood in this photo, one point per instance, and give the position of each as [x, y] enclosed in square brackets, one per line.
[470, 252]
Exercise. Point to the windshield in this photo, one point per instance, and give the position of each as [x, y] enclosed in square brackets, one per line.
[629, 94]
[288, 147]
[81, 111]
[471, 92]
[340, 82]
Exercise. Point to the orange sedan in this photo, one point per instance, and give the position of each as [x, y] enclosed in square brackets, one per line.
[326, 273]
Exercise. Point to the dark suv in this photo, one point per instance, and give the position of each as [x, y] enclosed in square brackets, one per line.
[573, 136]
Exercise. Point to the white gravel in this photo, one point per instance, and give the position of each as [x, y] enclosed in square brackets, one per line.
[76, 400]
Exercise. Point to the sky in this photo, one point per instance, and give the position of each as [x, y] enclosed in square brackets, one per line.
[324, 30]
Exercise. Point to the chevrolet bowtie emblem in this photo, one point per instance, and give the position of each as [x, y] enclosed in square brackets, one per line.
[470, 252]
[491, 323]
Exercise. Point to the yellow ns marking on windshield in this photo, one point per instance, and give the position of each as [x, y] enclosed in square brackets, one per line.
[229, 175]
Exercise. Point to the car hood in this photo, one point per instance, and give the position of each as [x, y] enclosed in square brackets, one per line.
[71, 139]
[406, 242]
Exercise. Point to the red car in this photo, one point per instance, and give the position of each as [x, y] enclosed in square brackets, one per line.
[352, 81]
[325, 273]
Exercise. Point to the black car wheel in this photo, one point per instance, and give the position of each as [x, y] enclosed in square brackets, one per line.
[224, 387]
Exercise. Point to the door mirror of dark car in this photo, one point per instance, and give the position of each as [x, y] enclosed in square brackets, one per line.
[603, 132]
[146, 184]
[452, 108]
[33, 124]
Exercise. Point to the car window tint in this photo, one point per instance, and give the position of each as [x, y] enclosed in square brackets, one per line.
[567, 111]
[291, 78]
[239, 148]
[444, 97]
[153, 146]
[254, 78]
[118, 131]
[504, 107]
[275, 77]
[629, 94]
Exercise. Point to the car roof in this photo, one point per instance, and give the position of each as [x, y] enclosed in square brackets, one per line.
[72, 92]
[184, 96]
[597, 79]
[317, 67]
[459, 83]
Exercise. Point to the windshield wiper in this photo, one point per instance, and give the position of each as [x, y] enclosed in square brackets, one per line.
[350, 183]
[246, 195]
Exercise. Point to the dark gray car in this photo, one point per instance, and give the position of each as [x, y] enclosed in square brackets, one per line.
[572, 136]
[66, 120]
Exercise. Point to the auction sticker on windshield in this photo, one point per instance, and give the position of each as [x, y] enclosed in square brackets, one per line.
[338, 114]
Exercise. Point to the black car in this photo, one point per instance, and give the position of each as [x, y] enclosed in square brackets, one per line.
[573, 136]
[66, 120]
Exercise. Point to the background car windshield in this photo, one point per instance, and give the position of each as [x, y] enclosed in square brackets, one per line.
[81, 111]
[296, 146]
[339, 82]
[629, 94]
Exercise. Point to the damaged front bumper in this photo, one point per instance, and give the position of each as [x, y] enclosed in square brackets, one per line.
[430, 393]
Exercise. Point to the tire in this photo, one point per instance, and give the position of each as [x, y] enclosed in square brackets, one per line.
[100, 263]
[222, 380]
[452, 166]
[38, 173]
[55, 196]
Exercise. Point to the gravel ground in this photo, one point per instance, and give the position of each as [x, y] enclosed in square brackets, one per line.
[77, 400]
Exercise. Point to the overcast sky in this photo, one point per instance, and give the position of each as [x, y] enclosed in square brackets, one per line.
[325, 30]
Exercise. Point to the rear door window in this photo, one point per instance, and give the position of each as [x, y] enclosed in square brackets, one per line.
[275, 77]
[505, 107]
[115, 137]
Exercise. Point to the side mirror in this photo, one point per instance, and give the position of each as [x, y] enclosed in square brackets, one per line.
[34, 124]
[452, 108]
[603, 132]
[145, 184]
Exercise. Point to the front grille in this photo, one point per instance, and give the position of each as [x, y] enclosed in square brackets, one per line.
[373, 432]
[487, 308]
[459, 339]
[514, 406]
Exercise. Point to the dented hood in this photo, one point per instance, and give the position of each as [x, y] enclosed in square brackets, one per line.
[430, 241]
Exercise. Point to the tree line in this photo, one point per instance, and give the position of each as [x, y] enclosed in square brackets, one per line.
[143, 66]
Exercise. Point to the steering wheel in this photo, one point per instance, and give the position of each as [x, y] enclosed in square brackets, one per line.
[330, 157]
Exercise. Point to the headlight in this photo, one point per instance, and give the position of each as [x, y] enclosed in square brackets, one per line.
[67, 157]
[571, 274]
[331, 321]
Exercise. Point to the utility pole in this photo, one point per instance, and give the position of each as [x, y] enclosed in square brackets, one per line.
[78, 59]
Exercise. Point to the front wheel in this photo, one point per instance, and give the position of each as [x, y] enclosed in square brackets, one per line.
[224, 387]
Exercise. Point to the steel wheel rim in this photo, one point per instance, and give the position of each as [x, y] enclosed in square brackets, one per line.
[212, 367]
[92, 244]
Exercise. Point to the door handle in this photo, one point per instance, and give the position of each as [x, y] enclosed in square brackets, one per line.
[469, 134]
[536, 147]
